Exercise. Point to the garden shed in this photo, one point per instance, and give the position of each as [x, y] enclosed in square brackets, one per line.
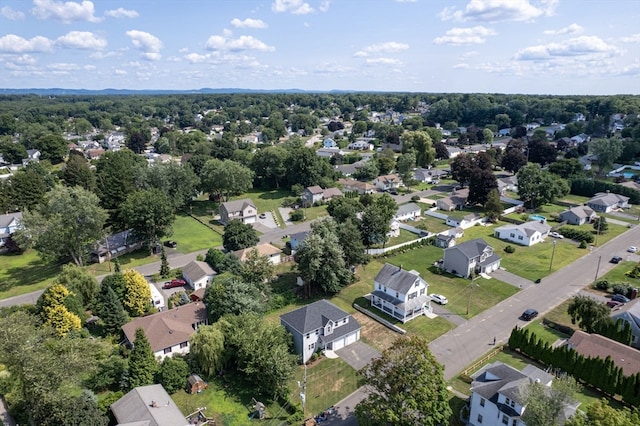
[195, 384]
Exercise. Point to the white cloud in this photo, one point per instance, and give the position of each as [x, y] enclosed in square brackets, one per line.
[578, 46]
[499, 10]
[12, 15]
[634, 38]
[151, 56]
[81, 40]
[458, 36]
[297, 7]
[120, 72]
[66, 12]
[461, 66]
[248, 23]
[324, 6]
[144, 41]
[12, 43]
[571, 29]
[196, 58]
[121, 13]
[241, 43]
[62, 66]
[390, 46]
[383, 61]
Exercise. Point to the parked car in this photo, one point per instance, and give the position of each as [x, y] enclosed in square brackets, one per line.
[529, 314]
[620, 298]
[612, 304]
[440, 299]
[176, 282]
[263, 215]
[171, 244]
[632, 249]
[616, 259]
[556, 235]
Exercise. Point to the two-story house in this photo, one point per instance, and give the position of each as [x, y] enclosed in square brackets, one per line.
[387, 182]
[320, 326]
[604, 202]
[198, 274]
[350, 185]
[525, 234]
[9, 223]
[474, 256]
[409, 211]
[400, 293]
[315, 194]
[243, 210]
[498, 394]
[168, 332]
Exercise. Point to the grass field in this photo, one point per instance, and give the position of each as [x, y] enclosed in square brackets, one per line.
[24, 273]
[192, 235]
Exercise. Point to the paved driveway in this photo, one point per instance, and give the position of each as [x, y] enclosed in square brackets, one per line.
[509, 278]
[358, 354]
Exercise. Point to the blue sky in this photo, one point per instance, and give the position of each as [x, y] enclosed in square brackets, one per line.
[504, 46]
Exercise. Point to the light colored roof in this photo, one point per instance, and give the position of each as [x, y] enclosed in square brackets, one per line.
[313, 316]
[397, 278]
[136, 408]
[408, 208]
[238, 205]
[528, 228]
[596, 346]
[197, 270]
[389, 178]
[331, 192]
[580, 211]
[607, 199]
[167, 328]
[263, 250]
[6, 219]
[315, 189]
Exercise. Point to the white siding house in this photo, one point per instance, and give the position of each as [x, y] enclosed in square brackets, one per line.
[525, 234]
[400, 293]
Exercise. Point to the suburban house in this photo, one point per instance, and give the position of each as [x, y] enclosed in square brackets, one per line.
[168, 331]
[296, 239]
[597, 346]
[265, 250]
[464, 222]
[428, 175]
[629, 312]
[498, 394]
[244, 210]
[400, 293]
[507, 184]
[604, 202]
[448, 238]
[394, 229]
[474, 256]
[315, 194]
[409, 211]
[320, 326]
[9, 223]
[387, 182]
[157, 299]
[361, 145]
[455, 201]
[525, 234]
[350, 185]
[148, 405]
[198, 274]
[578, 215]
[33, 156]
[114, 246]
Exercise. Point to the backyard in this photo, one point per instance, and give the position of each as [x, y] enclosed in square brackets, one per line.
[24, 273]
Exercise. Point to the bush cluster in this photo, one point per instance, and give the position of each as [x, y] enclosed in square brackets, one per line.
[577, 234]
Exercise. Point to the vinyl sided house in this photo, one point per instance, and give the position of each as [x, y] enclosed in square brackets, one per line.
[148, 406]
[400, 293]
[8, 225]
[350, 185]
[578, 215]
[266, 250]
[525, 234]
[387, 182]
[243, 210]
[115, 245]
[198, 274]
[629, 312]
[316, 194]
[474, 256]
[168, 332]
[318, 326]
[456, 201]
[409, 211]
[604, 202]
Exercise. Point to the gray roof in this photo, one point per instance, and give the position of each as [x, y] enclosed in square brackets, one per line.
[299, 236]
[528, 228]
[238, 205]
[115, 242]
[136, 408]
[313, 316]
[408, 208]
[607, 199]
[6, 219]
[196, 270]
[397, 278]
[471, 248]
[339, 332]
[579, 211]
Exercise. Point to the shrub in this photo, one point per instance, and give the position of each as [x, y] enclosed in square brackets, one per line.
[415, 198]
[583, 245]
[577, 234]
[622, 288]
[601, 285]
[509, 249]
[296, 215]
[200, 258]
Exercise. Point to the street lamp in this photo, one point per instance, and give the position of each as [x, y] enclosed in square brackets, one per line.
[552, 253]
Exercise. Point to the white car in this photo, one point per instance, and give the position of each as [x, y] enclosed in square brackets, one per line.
[632, 249]
[438, 298]
[556, 235]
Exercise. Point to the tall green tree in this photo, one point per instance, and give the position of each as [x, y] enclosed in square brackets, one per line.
[230, 295]
[78, 173]
[407, 387]
[79, 281]
[545, 405]
[513, 160]
[238, 235]
[421, 143]
[607, 151]
[51, 147]
[142, 363]
[493, 207]
[207, 348]
[226, 178]
[172, 374]
[600, 413]
[537, 187]
[164, 264]
[68, 222]
[257, 269]
[26, 188]
[268, 165]
[481, 184]
[178, 182]
[461, 169]
[150, 214]
[110, 310]
[84, 411]
[343, 208]
[588, 313]
[117, 176]
[116, 282]
[405, 165]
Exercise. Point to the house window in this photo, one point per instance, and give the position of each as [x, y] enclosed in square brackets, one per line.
[520, 237]
[512, 235]
[184, 345]
[479, 418]
[413, 295]
[422, 291]
[512, 404]
[307, 336]
[317, 332]
[397, 295]
[507, 401]
[482, 401]
[167, 350]
[505, 419]
[515, 422]
[312, 346]
[385, 288]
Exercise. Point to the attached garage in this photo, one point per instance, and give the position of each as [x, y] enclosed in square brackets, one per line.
[343, 341]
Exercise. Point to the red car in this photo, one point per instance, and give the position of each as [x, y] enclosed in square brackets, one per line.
[613, 304]
[176, 282]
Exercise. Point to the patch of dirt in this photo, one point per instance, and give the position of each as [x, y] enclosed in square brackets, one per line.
[337, 385]
[374, 333]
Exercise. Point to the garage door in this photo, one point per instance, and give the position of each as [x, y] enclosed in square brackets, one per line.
[338, 344]
[351, 339]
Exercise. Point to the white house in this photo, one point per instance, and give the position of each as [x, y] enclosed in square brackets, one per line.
[272, 253]
[525, 234]
[9, 223]
[320, 326]
[604, 202]
[244, 210]
[168, 331]
[157, 300]
[498, 394]
[471, 256]
[387, 182]
[409, 211]
[400, 293]
[198, 274]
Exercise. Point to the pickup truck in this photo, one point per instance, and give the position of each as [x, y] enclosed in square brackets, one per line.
[176, 282]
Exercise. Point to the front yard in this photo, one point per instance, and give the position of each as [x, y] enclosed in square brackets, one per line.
[24, 273]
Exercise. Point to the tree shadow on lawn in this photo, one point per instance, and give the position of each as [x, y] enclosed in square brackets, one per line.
[33, 272]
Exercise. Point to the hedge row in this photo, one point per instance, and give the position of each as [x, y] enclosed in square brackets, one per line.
[589, 187]
[576, 234]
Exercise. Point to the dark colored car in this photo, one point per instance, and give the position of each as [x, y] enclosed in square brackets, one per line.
[529, 314]
[612, 304]
[171, 244]
[620, 298]
[176, 282]
[616, 259]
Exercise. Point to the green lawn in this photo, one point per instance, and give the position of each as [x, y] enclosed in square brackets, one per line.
[24, 273]
[405, 236]
[546, 334]
[618, 273]
[192, 235]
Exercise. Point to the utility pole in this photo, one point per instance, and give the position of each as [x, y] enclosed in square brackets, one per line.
[303, 387]
[471, 286]
[553, 252]
[598, 268]
[598, 232]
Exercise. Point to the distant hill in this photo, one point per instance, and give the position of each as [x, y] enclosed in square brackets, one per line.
[206, 90]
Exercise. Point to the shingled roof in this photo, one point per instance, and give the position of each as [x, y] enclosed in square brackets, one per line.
[313, 316]
[396, 278]
[149, 406]
[596, 346]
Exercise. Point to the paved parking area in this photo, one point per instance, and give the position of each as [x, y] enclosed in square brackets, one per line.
[358, 354]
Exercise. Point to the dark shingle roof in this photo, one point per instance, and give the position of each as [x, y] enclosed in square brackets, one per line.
[397, 278]
[313, 316]
[471, 248]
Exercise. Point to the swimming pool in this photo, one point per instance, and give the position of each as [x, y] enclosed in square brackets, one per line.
[537, 217]
[628, 175]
